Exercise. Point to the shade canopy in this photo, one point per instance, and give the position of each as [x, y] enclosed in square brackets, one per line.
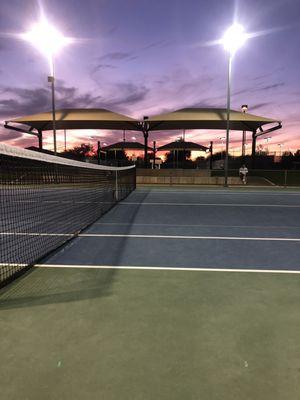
[182, 145]
[125, 146]
[207, 118]
[186, 118]
[78, 118]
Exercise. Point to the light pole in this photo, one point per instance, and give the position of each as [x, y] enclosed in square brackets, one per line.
[244, 110]
[267, 146]
[222, 138]
[233, 39]
[65, 139]
[51, 80]
[49, 41]
[98, 147]
[280, 146]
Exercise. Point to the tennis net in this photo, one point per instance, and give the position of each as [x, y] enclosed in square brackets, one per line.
[47, 200]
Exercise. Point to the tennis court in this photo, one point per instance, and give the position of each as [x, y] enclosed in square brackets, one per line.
[177, 293]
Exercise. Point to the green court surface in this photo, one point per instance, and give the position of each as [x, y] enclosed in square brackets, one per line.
[84, 333]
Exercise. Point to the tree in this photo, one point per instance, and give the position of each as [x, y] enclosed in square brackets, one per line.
[80, 152]
[220, 155]
[116, 155]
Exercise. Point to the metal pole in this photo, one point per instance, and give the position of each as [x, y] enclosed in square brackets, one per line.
[145, 128]
[253, 149]
[145, 149]
[124, 137]
[117, 188]
[285, 178]
[40, 137]
[243, 145]
[211, 154]
[154, 153]
[51, 79]
[65, 138]
[244, 109]
[228, 120]
[98, 152]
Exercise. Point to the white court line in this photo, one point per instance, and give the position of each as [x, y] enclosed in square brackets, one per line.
[12, 265]
[225, 192]
[121, 235]
[188, 237]
[60, 202]
[197, 225]
[35, 234]
[210, 204]
[196, 269]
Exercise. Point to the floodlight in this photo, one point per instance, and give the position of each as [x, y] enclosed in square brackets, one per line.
[46, 38]
[234, 38]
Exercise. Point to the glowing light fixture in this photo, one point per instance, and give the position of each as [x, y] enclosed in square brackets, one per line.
[49, 41]
[46, 38]
[234, 38]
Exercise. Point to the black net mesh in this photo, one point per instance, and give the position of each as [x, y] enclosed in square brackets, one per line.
[46, 200]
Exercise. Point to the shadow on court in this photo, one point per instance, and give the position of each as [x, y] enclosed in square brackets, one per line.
[33, 289]
[36, 288]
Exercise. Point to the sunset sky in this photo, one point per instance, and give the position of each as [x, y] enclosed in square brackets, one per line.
[142, 57]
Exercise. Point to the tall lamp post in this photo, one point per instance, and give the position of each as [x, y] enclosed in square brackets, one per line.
[222, 138]
[233, 39]
[51, 80]
[244, 110]
[267, 139]
[49, 41]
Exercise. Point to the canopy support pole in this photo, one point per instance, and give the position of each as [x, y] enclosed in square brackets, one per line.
[154, 153]
[40, 137]
[145, 128]
[146, 135]
[98, 152]
[211, 156]
[253, 149]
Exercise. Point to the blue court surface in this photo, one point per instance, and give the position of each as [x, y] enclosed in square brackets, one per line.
[193, 229]
[175, 293]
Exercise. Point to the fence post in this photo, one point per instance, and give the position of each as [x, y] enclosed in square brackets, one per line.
[285, 178]
[116, 190]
